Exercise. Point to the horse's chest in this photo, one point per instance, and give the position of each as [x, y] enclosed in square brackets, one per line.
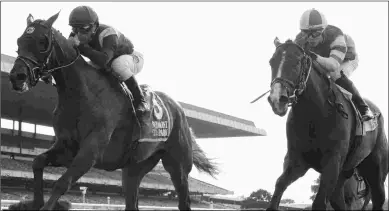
[64, 123]
[70, 120]
[313, 157]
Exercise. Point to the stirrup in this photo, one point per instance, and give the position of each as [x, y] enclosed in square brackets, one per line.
[368, 115]
[142, 109]
[145, 105]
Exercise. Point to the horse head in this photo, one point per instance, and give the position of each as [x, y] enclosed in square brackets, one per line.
[290, 67]
[39, 49]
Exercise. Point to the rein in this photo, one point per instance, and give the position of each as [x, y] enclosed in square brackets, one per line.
[42, 70]
[300, 86]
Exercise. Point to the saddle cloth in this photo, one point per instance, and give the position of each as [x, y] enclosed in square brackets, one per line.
[159, 122]
[361, 127]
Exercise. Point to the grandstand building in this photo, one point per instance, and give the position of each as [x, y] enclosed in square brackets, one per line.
[26, 118]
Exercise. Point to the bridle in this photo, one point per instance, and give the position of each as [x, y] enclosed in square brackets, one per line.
[300, 84]
[37, 70]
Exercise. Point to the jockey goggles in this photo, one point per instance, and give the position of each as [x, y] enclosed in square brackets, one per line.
[313, 33]
[82, 29]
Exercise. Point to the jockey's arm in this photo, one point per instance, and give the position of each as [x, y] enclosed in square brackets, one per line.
[103, 57]
[338, 52]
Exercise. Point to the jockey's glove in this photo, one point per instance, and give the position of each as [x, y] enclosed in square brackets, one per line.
[312, 55]
[84, 48]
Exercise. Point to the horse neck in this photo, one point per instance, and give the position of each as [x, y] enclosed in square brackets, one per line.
[315, 95]
[73, 82]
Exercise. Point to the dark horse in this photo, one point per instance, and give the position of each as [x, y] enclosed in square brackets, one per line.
[321, 131]
[94, 122]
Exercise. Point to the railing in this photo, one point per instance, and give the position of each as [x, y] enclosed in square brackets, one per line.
[86, 206]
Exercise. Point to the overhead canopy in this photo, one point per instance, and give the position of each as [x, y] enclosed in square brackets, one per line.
[36, 106]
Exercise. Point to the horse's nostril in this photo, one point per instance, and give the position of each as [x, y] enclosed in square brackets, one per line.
[284, 99]
[21, 76]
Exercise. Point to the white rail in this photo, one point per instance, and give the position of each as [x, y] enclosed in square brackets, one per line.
[86, 206]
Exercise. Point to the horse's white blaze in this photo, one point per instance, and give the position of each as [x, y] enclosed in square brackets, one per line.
[276, 92]
[281, 64]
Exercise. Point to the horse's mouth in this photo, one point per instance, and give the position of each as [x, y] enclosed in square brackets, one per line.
[280, 110]
[283, 113]
[280, 113]
[21, 88]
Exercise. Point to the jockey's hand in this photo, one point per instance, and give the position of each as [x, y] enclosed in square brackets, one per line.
[84, 48]
[312, 55]
[74, 41]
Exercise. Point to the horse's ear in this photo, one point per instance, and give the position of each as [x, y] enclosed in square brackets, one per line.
[277, 42]
[51, 20]
[30, 19]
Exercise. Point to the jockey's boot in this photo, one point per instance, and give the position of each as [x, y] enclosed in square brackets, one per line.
[362, 106]
[140, 104]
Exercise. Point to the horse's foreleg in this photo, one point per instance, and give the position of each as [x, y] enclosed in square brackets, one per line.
[293, 169]
[328, 181]
[132, 176]
[39, 163]
[338, 200]
[80, 165]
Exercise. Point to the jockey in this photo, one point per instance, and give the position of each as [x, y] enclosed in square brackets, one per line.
[109, 50]
[334, 51]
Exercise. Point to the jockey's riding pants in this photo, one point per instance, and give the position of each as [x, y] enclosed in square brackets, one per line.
[125, 66]
[348, 67]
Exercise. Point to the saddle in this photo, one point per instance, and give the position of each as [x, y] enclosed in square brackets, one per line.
[361, 127]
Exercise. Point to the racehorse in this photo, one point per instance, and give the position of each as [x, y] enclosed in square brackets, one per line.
[94, 122]
[323, 131]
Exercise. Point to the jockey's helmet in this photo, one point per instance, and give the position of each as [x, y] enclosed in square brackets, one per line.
[312, 19]
[83, 16]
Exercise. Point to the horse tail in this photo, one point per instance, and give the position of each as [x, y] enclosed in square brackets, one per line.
[200, 160]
